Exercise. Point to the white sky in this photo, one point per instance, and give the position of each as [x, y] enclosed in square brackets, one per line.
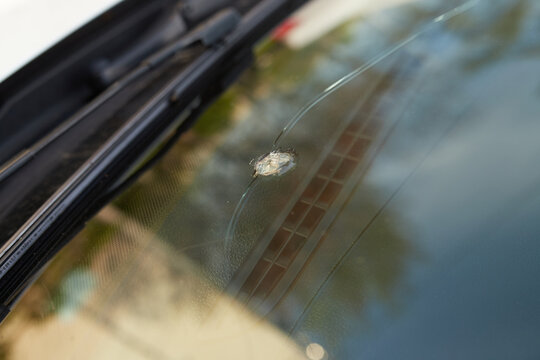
[28, 27]
[320, 16]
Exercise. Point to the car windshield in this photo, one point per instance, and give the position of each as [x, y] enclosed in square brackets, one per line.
[367, 190]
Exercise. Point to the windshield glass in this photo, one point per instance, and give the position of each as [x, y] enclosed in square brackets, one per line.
[367, 190]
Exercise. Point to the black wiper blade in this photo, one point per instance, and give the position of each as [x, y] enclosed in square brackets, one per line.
[166, 93]
[38, 171]
[206, 34]
[33, 177]
[56, 84]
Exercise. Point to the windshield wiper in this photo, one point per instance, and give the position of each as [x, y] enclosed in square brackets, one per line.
[50, 188]
[206, 34]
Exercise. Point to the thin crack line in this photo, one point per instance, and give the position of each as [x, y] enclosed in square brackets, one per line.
[338, 264]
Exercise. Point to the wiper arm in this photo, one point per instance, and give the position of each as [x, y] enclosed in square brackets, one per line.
[166, 92]
[206, 34]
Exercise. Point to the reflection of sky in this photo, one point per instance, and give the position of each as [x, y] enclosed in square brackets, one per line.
[75, 290]
[479, 151]
[471, 209]
[465, 203]
[484, 304]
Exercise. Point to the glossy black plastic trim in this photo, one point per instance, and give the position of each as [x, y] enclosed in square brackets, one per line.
[59, 219]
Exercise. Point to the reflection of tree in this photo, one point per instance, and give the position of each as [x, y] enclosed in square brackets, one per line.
[498, 36]
[370, 271]
[374, 267]
[281, 69]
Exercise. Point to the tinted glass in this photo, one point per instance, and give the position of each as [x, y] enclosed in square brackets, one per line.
[398, 220]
